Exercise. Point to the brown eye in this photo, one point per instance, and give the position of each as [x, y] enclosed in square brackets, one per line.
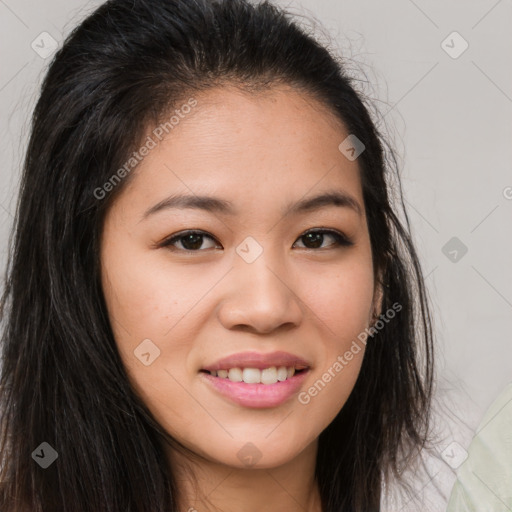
[314, 239]
[190, 241]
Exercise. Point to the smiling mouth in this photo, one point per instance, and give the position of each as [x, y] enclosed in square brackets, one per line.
[268, 376]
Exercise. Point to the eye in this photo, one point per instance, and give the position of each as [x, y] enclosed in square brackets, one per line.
[315, 238]
[192, 240]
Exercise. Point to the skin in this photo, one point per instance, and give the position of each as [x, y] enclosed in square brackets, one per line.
[260, 152]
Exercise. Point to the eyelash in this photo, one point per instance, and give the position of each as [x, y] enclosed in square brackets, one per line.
[341, 240]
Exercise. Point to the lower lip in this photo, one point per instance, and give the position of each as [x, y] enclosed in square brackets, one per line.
[257, 395]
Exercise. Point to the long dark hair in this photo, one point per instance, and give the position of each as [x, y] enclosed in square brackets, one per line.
[63, 382]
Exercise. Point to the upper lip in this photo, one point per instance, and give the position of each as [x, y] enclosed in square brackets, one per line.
[258, 360]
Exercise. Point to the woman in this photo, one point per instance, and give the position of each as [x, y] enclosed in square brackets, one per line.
[211, 303]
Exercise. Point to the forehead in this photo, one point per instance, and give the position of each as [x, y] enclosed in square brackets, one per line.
[239, 121]
[275, 145]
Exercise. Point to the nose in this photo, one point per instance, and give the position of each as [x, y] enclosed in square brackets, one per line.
[260, 298]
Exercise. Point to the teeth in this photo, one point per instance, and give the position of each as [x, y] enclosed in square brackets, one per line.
[250, 375]
[282, 373]
[255, 376]
[269, 375]
[235, 374]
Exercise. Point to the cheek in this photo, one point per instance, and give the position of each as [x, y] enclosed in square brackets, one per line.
[148, 301]
[146, 296]
[340, 305]
[340, 300]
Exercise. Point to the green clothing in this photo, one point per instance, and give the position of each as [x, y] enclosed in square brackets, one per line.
[484, 480]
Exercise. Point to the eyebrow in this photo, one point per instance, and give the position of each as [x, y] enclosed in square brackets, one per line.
[217, 205]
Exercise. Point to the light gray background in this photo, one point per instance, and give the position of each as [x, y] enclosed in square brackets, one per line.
[450, 121]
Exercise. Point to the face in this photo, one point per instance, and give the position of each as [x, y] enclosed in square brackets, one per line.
[268, 280]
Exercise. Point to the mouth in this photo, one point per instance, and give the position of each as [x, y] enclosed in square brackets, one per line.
[256, 380]
[256, 388]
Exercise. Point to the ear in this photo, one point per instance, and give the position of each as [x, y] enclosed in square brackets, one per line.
[378, 296]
